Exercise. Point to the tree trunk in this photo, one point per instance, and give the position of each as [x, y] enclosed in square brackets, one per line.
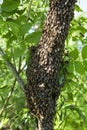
[46, 61]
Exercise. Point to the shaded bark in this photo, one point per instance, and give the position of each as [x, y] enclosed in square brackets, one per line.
[43, 72]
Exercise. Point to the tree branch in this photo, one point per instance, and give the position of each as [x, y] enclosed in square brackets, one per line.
[13, 69]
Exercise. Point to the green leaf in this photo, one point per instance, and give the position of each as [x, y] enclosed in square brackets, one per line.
[85, 64]
[70, 68]
[70, 95]
[80, 113]
[77, 8]
[74, 54]
[19, 51]
[84, 52]
[4, 28]
[26, 27]
[81, 29]
[1, 22]
[10, 5]
[33, 37]
[79, 67]
[73, 107]
[15, 28]
[69, 106]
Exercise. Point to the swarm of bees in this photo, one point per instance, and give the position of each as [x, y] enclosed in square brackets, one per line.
[43, 89]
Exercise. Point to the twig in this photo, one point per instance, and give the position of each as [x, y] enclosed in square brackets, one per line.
[24, 67]
[19, 67]
[7, 99]
[29, 8]
[13, 57]
[13, 69]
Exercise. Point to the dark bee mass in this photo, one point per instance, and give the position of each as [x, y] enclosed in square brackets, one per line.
[43, 88]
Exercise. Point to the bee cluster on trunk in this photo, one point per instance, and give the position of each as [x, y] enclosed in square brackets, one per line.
[42, 88]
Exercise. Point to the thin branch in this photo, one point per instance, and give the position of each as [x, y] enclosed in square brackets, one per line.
[19, 67]
[8, 97]
[29, 9]
[13, 69]
[13, 58]
[23, 68]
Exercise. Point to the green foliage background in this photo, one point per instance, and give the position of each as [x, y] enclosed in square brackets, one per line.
[21, 23]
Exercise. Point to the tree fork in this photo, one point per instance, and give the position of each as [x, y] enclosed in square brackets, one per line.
[42, 89]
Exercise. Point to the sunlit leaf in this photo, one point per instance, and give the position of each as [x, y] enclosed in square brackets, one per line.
[80, 113]
[3, 122]
[84, 52]
[79, 67]
[15, 28]
[77, 8]
[85, 64]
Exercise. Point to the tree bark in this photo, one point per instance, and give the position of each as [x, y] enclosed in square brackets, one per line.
[46, 61]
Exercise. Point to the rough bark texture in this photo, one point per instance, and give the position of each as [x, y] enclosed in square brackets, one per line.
[43, 88]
